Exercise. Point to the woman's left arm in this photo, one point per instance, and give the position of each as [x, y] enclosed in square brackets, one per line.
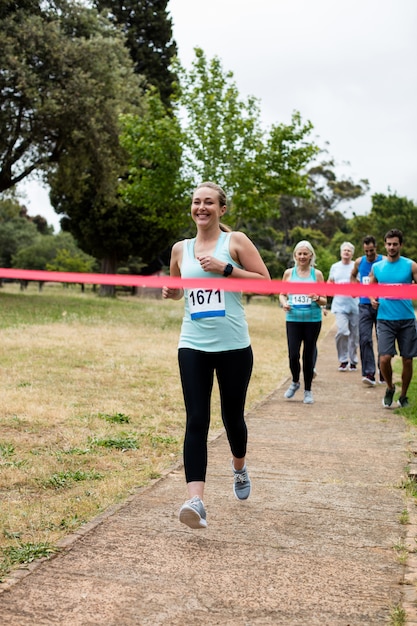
[244, 252]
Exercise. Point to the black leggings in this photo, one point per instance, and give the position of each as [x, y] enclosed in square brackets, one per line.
[233, 370]
[306, 333]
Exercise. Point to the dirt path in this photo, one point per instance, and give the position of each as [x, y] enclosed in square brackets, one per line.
[312, 546]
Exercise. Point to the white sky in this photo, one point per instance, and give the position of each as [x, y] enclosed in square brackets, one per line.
[350, 67]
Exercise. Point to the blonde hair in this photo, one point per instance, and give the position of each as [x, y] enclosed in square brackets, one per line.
[305, 244]
[222, 200]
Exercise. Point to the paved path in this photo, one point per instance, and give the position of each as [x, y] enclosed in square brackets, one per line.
[312, 546]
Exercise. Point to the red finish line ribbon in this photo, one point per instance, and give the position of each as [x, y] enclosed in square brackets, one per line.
[246, 285]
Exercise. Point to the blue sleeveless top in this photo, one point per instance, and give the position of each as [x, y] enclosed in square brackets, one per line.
[364, 270]
[215, 321]
[302, 310]
[394, 273]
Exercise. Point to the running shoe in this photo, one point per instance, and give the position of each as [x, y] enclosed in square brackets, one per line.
[403, 402]
[369, 380]
[352, 367]
[193, 513]
[241, 484]
[291, 390]
[343, 367]
[388, 398]
[308, 397]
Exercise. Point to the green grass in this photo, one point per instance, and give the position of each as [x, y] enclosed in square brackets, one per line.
[23, 553]
[60, 480]
[92, 407]
[410, 413]
[397, 616]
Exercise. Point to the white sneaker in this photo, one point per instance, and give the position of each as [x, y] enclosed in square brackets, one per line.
[291, 390]
[308, 397]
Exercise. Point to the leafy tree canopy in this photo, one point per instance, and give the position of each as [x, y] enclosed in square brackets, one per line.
[148, 32]
[53, 252]
[58, 65]
[155, 191]
[16, 230]
[224, 142]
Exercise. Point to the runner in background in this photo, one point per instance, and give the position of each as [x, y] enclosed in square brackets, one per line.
[214, 339]
[346, 311]
[396, 320]
[303, 318]
[367, 313]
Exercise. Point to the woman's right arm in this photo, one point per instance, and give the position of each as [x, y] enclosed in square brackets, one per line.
[283, 297]
[174, 270]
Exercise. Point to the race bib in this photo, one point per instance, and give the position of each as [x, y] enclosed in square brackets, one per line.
[366, 280]
[206, 303]
[300, 301]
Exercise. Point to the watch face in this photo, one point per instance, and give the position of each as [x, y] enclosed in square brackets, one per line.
[228, 269]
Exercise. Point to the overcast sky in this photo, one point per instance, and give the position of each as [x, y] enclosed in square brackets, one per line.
[350, 67]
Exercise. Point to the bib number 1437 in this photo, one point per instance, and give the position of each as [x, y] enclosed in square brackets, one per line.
[206, 303]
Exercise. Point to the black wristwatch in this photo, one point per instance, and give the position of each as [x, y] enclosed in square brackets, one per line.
[228, 270]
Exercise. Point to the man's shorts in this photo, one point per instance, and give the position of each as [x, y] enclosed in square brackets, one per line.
[404, 332]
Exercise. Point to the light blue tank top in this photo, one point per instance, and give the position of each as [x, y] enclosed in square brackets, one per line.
[303, 310]
[212, 322]
[394, 273]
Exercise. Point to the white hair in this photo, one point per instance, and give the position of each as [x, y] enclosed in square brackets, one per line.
[347, 244]
[305, 244]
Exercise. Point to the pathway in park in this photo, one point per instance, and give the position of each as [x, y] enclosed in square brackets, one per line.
[319, 542]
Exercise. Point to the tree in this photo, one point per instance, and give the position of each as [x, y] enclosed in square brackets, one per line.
[224, 142]
[58, 60]
[319, 210]
[393, 211]
[53, 252]
[223, 137]
[148, 32]
[155, 191]
[129, 202]
[16, 231]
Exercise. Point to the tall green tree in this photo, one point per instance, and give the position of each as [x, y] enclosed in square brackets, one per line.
[393, 211]
[321, 208]
[85, 185]
[224, 141]
[223, 136]
[155, 193]
[58, 60]
[147, 28]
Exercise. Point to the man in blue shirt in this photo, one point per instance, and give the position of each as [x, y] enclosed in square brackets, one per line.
[367, 313]
[396, 320]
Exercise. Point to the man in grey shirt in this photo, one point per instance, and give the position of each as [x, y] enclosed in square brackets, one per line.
[346, 310]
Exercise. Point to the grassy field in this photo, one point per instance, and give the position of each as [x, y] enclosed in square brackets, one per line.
[91, 405]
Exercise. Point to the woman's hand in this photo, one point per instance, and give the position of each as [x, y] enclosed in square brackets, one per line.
[211, 264]
[173, 294]
[284, 303]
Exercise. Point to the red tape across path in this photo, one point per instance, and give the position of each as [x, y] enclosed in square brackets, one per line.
[246, 285]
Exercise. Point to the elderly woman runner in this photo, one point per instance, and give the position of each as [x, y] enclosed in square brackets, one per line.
[303, 318]
[214, 339]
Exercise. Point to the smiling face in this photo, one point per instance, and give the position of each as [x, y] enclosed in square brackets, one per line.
[370, 251]
[303, 257]
[205, 207]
